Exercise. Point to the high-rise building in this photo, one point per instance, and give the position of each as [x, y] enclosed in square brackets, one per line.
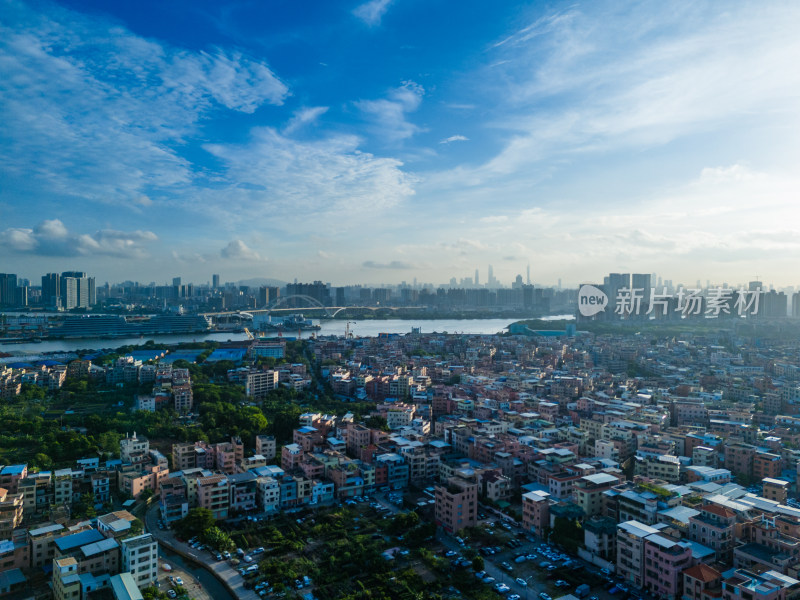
[68, 292]
[8, 289]
[477, 280]
[77, 290]
[643, 281]
[611, 285]
[176, 281]
[267, 294]
[51, 290]
[215, 282]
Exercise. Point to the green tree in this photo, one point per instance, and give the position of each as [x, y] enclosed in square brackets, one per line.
[196, 521]
[403, 522]
[217, 539]
[377, 422]
[136, 527]
[43, 461]
[477, 563]
[152, 593]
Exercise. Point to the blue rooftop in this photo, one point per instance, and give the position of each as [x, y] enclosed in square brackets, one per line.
[13, 469]
[145, 355]
[187, 355]
[10, 578]
[232, 354]
[76, 540]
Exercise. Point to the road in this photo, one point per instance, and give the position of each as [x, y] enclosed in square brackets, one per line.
[222, 569]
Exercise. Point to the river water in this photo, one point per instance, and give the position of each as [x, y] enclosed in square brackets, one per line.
[368, 328]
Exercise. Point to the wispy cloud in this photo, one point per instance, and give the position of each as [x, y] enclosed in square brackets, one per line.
[454, 138]
[52, 238]
[372, 12]
[395, 264]
[571, 88]
[327, 176]
[388, 115]
[92, 111]
[304, 116]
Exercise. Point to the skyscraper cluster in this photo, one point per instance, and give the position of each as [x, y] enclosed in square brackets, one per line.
[70, 289]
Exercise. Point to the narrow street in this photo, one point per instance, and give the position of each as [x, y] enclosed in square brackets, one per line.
[222, 568]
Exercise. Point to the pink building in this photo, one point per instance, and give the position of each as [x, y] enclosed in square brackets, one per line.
[536, 512]
[664, 562]
[213, 494]
[10, 476]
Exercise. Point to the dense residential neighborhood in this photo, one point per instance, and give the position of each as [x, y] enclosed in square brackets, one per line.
[646, 466]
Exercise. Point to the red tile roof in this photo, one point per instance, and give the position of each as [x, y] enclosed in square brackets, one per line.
[703, 573]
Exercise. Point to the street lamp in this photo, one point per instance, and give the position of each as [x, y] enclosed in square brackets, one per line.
[527, 584]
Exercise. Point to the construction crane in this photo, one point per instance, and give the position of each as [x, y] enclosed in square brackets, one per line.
[347, 334]
[249, 335]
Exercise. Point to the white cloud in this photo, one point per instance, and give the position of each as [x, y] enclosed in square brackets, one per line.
[304, 116]
[395, 264]
[571, 88]
[388, 115]
[454, 138]
[733, 173]
[92, 111]
[275, 172]
[143, 201]
[372, 12]
[238, 250]
[52, 238]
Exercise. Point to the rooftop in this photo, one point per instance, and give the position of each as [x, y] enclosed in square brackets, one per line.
[703, 572]
[76, 540]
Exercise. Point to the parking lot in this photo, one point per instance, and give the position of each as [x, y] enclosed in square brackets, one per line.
[518, 565]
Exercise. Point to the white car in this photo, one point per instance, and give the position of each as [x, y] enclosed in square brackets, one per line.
[522, 582]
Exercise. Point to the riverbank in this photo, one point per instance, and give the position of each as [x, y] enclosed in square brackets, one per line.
[357, 328]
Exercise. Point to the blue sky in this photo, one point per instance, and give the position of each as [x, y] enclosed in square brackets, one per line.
[386, 140]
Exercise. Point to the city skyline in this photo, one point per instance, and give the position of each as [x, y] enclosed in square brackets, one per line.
[248, 140]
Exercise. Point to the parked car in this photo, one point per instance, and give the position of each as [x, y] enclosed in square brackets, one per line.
[543, 596]
[178, 581]
[522, 582]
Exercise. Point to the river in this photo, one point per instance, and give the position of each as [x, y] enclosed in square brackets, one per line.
[368, 328]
